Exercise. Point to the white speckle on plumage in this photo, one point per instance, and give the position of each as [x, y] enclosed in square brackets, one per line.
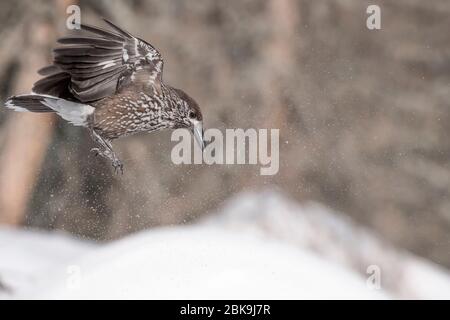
[125, 56]
[107, 64]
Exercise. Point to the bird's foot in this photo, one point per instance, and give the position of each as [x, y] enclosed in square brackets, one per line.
[118, 166]
[116, 163]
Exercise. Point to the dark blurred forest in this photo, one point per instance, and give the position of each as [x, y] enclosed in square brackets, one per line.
[364, 115]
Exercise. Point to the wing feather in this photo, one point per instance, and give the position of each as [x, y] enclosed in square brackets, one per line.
[86, 51]
[105, 43]
[103, 61]
[121, 31]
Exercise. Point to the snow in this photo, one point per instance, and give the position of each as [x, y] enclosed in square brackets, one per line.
[208, 263]
[259, 246]
[198, 262]
[28, 258]
[335, 237]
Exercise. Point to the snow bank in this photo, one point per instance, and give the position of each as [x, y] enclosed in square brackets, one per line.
[209, 263]
[198, 262]
[260, 246]
[333, 236]
[32, 259]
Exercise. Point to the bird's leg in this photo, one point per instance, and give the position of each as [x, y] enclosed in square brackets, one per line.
[106, 151]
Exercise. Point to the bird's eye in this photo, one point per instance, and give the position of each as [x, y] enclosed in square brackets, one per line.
[192, 115]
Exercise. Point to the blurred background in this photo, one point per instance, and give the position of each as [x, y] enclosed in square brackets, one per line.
[363, 116]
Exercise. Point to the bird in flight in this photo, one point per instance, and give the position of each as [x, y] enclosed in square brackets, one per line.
[111, 83]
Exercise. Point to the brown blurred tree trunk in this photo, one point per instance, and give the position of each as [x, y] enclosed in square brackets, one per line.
[284, 17]
[279, 61]
[26, 135]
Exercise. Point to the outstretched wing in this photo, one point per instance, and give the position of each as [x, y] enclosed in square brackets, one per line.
[101, 64]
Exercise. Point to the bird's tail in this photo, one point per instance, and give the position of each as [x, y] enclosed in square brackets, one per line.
[74, 112]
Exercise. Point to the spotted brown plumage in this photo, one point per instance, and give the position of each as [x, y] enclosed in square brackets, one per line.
[110, 82]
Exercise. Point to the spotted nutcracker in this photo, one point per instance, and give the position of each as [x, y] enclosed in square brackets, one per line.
[111, 83]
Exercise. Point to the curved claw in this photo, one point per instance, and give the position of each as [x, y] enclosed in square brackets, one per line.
[118, 165]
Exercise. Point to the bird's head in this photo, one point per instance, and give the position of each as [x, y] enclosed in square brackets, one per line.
[190, 116]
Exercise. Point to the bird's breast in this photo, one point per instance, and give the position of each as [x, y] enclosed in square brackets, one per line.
[128, 113]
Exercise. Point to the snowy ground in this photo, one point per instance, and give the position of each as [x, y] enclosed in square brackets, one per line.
[260, 246]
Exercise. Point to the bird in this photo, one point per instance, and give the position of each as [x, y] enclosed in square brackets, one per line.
[111, 83]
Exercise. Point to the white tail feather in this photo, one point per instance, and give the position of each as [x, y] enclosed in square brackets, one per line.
[75, 113]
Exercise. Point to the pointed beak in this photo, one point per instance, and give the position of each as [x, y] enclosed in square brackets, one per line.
[198, 134]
